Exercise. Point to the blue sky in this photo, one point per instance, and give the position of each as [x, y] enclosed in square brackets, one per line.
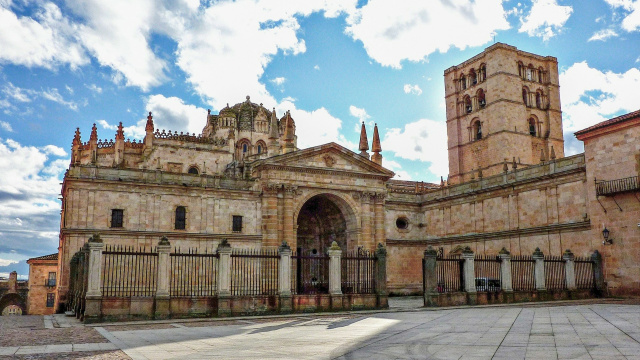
[332, 63]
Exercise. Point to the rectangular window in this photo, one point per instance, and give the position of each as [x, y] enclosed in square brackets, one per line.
[181, 218]
[51, 299]
[237, 223]
[116, 218]
[51, 281]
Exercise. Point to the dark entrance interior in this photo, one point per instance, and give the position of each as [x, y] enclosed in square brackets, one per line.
[320, 222]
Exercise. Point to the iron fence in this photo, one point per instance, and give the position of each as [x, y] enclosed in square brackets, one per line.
[254, 272]
[449, 271]
[193, 273]
[487, 273]
[585, 273]
[523, 272]
[554, 273]
[129, 272]
[309, 273]
[358, 272]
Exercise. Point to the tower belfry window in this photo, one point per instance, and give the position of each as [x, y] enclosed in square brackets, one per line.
[532, 127]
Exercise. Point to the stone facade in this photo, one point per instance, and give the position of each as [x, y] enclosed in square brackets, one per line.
[42, 299]
[243, 179]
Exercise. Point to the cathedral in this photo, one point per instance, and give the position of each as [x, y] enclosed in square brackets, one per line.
[245, 180]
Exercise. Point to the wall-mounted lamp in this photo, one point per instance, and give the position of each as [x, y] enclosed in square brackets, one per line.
[605, 235]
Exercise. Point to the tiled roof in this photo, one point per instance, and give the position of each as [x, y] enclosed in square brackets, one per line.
[606, 123]
[46, 257]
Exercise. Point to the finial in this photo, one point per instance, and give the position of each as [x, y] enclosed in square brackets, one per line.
[375, 147]
[364, 142]
[553, 153]
[247, 98]
[120, 132]
[76, 137]
[94, 133]
[149, 126]
[514, 165]
[441, 181]
[208, 111]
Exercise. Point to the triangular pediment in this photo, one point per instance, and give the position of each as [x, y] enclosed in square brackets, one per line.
[330, 157]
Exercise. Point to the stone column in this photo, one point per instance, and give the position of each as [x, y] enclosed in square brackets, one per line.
[506, 282]
[287, 214]
[538, 256]
[270, 215]
[380, 237]
[93, 302]
[335, 275]
[381, 276]
[598, 273]
[223, 281]
[469, 276]
[429, 276]
[569, 269]
[366, 225]
[284, 277]
[163, 308]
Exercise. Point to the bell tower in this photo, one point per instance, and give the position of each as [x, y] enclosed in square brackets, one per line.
[503, 103]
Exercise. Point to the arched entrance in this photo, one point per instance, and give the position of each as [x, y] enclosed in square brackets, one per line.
[10, 303]
[322, 219]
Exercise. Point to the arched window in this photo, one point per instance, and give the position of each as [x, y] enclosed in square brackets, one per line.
[538, 99]
[473, 77]
[477, 130]
[481, 99]
[463, 82]
[540, 75]
[483, 72]
[245, 148]
[467, 104]
[181, 218]
[521, 69]
[525, 96]
[193, 170]
[532, 127]
[261, 147]
[530, 72]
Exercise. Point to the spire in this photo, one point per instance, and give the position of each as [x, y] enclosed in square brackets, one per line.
[274, 134]
[289, 134]
[541, 155]
[76, 138]
[553, 153]
[149, 126]
[375, 147]
[364, 143]
[94, 134]
[120, 132]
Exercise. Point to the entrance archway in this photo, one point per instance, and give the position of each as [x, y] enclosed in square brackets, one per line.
[325, 218]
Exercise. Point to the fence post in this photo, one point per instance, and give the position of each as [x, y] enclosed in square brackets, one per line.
[569, 269]
[381, 277]
[469, 276]
[335, 269]
[163, 298]
[430, 278]
[93, 297]
[224, 278]
[506, 282]
[598, 273]
[284, 277]
[538, 256]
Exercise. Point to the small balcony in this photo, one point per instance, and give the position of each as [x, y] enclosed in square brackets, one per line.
[612, 187]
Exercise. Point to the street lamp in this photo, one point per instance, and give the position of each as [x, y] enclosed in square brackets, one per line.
[605, 235]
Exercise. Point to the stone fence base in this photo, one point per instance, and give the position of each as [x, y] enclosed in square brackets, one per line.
[502, 297]
[148, 308]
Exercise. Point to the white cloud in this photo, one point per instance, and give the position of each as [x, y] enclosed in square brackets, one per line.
[392, 31]
[116, 32]
[17, 93]
[315, 127]
[631, 21]
[603, 35]
[545, 19]
[317, 67]
[423, 140]
[278, 80]
[589, 95]
[412, 89]
[172, 113]
[54, 95]
[95, 88]
[46, 40]
[5, 262]
[6, 126]
[362, 116]
[396, 168]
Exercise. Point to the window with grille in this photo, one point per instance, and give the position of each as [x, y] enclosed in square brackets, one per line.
[116, 218]
[237, 223]
[181, 218]
[51, 281]
[51, 299]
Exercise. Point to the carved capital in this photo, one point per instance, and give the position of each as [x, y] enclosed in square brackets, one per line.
[271, 188]
[356, 195]
[291, 190]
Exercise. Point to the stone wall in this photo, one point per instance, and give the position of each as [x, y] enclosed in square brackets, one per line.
[38, 290]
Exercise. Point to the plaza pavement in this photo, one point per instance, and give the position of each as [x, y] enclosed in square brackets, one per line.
[592, 331]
